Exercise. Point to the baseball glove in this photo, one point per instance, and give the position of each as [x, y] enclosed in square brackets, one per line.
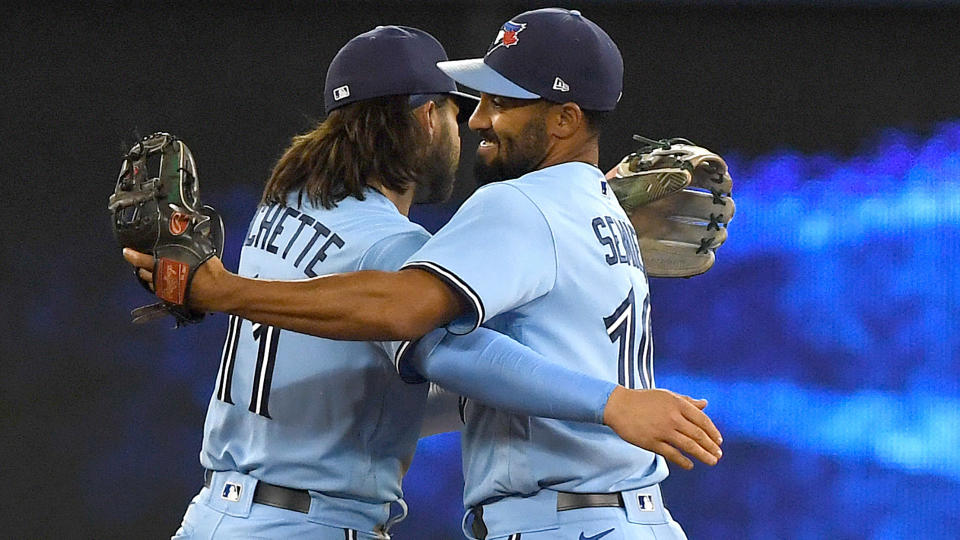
[156, 209]
[677, 195]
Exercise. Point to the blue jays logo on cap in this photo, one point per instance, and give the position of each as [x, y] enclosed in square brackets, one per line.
[565, 57]
[507, 35]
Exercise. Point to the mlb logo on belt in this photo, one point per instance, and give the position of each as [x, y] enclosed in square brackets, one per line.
[646, 502]
[231, 492]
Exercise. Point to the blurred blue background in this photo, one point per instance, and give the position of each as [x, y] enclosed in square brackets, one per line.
[825, 338]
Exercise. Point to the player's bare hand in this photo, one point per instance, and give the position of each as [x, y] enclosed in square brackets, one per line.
[203, 287]
[666, 423]
[143, 263]
[612, 173]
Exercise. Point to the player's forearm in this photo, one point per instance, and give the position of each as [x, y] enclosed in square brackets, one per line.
[364, 305]
[497, 371]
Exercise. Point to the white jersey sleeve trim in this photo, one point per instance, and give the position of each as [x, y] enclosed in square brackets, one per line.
[406, 372]
[473, 299]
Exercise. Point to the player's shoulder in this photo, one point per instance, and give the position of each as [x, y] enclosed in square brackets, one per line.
[548, 187]
[373, 218]
[562, 172]
[559, 182]
[502, 201]
[368, 230]
[390, 252]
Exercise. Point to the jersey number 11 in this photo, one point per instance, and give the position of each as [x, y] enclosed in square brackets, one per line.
[267, 338]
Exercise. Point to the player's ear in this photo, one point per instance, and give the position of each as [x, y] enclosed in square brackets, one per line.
[564, 120]
[429, 117]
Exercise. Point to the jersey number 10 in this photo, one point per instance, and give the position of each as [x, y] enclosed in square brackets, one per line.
[622, 328]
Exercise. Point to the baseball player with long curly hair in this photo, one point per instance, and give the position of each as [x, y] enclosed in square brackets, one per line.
[307, 437]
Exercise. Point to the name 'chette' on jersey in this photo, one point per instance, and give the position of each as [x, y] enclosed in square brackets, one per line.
[286, 231]
[309, 413]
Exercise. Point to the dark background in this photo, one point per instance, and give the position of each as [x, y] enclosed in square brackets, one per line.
[100, 421]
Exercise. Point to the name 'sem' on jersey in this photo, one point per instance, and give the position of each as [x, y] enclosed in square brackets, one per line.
[311, 413]
[551, 260]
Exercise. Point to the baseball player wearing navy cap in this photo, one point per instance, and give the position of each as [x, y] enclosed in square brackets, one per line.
[580, 286]
[317, 448]
[309, 438]
[551, 54]
[378, 63]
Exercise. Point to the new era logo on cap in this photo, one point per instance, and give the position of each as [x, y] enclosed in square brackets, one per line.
[560, 86]
[341, 92]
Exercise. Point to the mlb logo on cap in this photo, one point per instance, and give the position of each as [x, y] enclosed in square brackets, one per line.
[231, 492]
[341, 92]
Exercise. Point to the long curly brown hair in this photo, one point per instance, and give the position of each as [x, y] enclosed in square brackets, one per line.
[377, 138]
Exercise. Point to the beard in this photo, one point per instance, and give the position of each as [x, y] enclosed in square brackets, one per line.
[516, 156]
[439, 168]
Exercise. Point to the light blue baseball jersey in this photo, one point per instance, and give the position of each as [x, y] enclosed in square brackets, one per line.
[551, 260]
[311, 413]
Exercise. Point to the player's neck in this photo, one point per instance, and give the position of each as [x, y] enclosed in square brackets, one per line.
[401, 200]
[569, 151]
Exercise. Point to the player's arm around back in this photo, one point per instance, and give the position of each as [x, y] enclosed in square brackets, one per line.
[363, 306]
[495, 370]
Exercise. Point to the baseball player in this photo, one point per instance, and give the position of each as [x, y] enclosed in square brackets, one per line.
[309, 438]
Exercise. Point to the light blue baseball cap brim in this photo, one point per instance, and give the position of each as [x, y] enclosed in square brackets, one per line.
[475, 74]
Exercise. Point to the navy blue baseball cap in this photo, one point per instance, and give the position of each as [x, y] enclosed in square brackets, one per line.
[391, 61]
[552, 53]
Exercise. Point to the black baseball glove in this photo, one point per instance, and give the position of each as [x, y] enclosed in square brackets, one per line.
[677, 195]
[156, 209]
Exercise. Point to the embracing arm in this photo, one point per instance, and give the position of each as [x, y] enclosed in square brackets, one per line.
[367, 305]
[492, 368]
[504, 374]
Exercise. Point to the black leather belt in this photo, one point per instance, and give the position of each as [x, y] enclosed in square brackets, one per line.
[565, 501]
[572, 501]
[297, 500]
